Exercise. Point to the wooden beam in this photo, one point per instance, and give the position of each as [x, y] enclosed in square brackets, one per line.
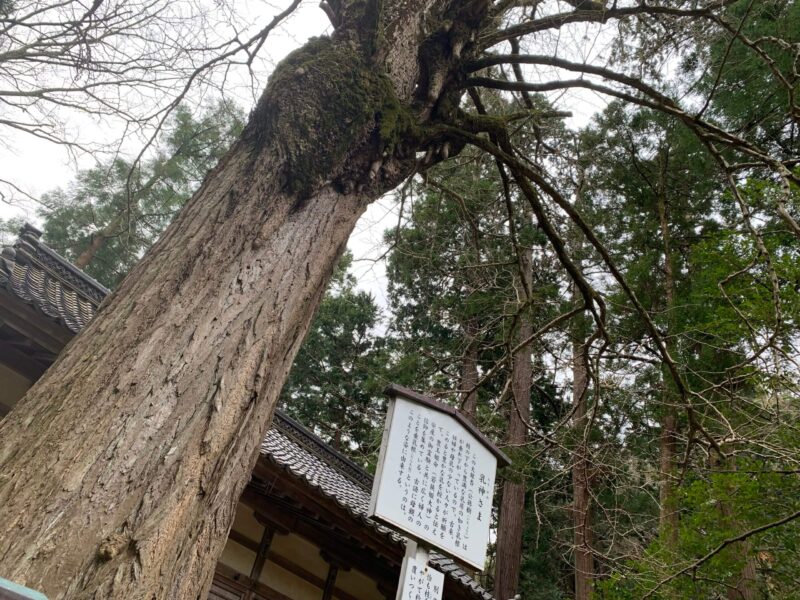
[20, 362]
[328, 510]
[302, 573]
[386, 552]
[243, 540]
[285, 563]
[333, 559]
[261, 553]
[338, 543]
[32, 324]
[232, 578]
[330, 582]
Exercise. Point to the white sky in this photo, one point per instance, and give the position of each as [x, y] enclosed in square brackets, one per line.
[38, 166]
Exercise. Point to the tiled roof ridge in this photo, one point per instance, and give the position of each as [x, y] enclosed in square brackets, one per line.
[309, 440]
[31, 247]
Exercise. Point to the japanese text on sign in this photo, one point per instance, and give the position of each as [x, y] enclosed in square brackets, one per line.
[421, 582]
[436, 481]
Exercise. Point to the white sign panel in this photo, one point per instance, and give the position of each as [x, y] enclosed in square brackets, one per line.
[435, 481]
[421, 581]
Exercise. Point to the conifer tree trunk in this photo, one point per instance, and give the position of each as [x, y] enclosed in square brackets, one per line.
[512, 505]
[96, 243]
[668, 517]
[581, 491]
[581, 498]
[121, 468]
[743, 585]
[113, 228]
[471, 327]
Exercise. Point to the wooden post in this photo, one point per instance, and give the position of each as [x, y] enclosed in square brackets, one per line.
[330, 582]
[261, 555]
[415, 551]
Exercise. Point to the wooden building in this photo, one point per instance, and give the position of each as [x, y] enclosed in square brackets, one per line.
[301, 530]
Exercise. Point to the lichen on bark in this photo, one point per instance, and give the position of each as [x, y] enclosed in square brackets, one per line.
[329, 85]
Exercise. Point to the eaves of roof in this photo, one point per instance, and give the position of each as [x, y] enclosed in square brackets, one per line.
[41, 278]
[299, 452]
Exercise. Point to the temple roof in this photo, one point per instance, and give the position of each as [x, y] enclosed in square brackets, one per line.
[40, 277]
[43, 279]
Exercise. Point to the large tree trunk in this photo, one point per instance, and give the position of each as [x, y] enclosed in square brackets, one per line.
[96, 243]
[123, 465]
[743, 585]
[512, 505]
[746, 585]
[668, 514]
[121, 468]
[471, 327]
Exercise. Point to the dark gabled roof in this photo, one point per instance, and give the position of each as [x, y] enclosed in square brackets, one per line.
[41, 278]
[306, 457]
[38, 276]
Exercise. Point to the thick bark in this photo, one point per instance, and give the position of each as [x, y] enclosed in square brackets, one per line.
[123, 465]
[743, 585]
[511, 520]
[668, 514]
[121, 468]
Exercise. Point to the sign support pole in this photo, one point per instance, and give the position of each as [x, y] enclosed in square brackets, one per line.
[413, 551]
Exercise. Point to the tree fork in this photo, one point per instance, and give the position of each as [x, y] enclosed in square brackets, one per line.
[121, 468]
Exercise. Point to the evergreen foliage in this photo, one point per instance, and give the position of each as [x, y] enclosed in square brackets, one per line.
[124, 207]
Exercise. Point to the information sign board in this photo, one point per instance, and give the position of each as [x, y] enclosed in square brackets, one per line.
[421, 581]
[435, 480]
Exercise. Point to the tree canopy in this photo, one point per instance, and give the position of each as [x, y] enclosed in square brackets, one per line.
[639, 271]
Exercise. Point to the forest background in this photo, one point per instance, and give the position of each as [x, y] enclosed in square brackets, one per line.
[639, 363]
